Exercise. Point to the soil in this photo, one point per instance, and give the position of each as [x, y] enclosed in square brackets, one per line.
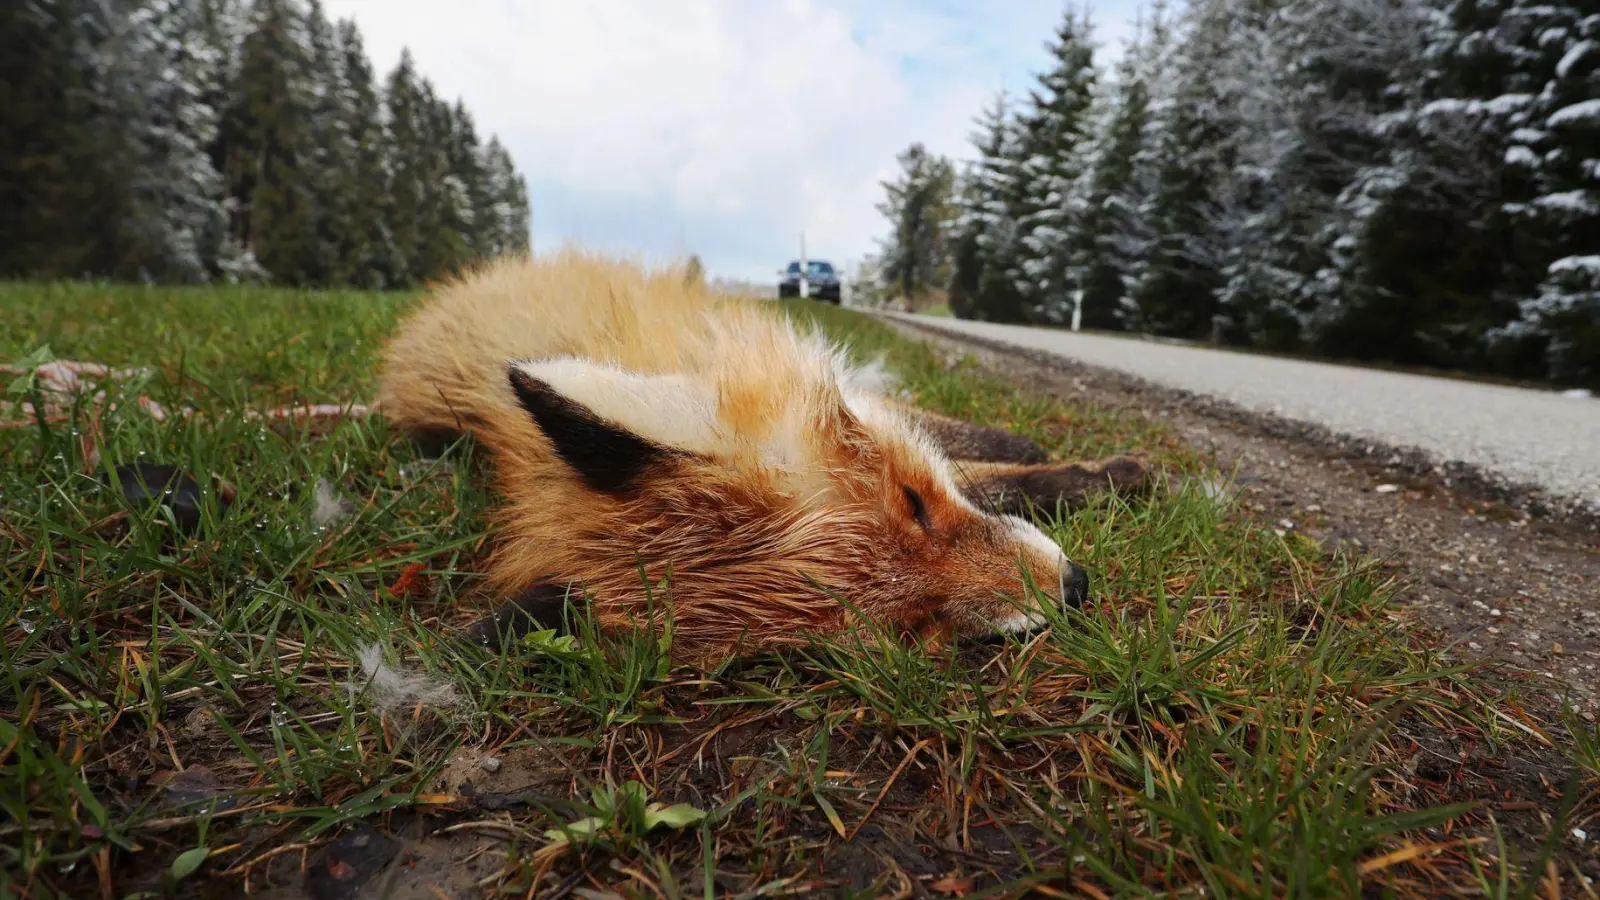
[1499, 578]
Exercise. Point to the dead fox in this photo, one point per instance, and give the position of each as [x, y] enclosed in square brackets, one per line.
[642, 429]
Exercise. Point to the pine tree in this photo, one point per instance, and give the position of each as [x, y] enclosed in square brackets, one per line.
[1108, 242]
[1175, 291]
[1053, 149]
[917, 205]
[327, 142]
[63, 181]
[180, 140]
[1555, 152]
[155, 78]
[1263, 197]
[407, 107]
[1384, 248]
[354, 213]
[469, 201]
[270, 147]
[506, 228]
[983, 283]
[223, 28]
[447, 245]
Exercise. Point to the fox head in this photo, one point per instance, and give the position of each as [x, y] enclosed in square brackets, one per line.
[764, 480]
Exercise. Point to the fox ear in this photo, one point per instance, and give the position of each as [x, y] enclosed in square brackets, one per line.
[610, 424]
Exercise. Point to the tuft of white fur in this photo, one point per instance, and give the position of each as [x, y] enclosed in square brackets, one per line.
[394, 690]
[872, 377]
[327, 507]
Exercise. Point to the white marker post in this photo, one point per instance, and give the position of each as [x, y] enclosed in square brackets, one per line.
[1077, 308]
[805, 281]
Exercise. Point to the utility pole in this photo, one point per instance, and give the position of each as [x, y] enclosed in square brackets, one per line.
[805, 282]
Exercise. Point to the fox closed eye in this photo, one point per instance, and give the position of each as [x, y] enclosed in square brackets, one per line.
[919, 508]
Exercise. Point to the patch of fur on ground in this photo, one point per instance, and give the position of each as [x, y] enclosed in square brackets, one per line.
[394, 690]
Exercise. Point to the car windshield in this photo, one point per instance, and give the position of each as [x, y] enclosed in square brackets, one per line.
[813, 268]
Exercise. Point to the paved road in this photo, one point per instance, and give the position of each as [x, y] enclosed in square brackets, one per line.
[1527, 436]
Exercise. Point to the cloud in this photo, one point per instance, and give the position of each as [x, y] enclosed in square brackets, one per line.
[723, 127]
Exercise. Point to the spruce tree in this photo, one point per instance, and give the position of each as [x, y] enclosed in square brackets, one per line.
[63, 180]
[449, 208]
[224, 26]
[327, 142]
[975, 187]
[1175, 291]
[269, 144]
[506, 230]
[155, 78]
[1053, 152]
[917, 205]
[407, 165]
[983, 283]
[361, 222]
[1107, 243]
[1554, 151]
[469, 200]
[1389, 259]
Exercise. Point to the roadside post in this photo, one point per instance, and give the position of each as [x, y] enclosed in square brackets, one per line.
[805, 282]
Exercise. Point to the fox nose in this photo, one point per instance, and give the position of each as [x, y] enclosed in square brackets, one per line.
[1074, 584]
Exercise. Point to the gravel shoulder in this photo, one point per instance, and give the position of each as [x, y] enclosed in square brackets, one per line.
[1539, 449]
[1497, 575]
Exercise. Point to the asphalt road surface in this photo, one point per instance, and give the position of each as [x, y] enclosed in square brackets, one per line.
[1525, 436]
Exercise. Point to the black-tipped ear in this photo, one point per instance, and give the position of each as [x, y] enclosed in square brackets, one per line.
[607, 457]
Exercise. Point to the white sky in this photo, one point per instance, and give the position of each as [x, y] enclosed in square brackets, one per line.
[720, 127]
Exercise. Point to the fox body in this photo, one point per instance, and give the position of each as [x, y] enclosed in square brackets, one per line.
[642, 430]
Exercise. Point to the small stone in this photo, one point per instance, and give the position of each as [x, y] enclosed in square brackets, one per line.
[1496, 612]
[1493, 630]
[489, 764]
[1387, 488]
[1557, 649]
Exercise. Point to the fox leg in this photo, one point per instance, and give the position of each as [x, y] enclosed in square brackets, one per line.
[1008, 472]
[1014, 487]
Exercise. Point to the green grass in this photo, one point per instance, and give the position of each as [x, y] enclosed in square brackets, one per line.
[1237, 711]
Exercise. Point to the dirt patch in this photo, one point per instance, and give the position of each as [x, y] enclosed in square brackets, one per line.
[1498, 574]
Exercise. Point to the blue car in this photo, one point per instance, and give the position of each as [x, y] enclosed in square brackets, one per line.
[823, 281]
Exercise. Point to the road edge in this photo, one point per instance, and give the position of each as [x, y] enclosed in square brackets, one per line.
[1462, 478]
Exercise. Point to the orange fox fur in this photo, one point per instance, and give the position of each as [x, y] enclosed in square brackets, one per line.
[639, 425]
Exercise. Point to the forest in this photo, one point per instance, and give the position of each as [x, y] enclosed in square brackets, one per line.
[191, 141]
[1414, 182]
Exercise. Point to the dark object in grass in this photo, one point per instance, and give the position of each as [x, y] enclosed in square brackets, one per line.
[194, 786]
[538, 608]
[145, 483]
[350, 862]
